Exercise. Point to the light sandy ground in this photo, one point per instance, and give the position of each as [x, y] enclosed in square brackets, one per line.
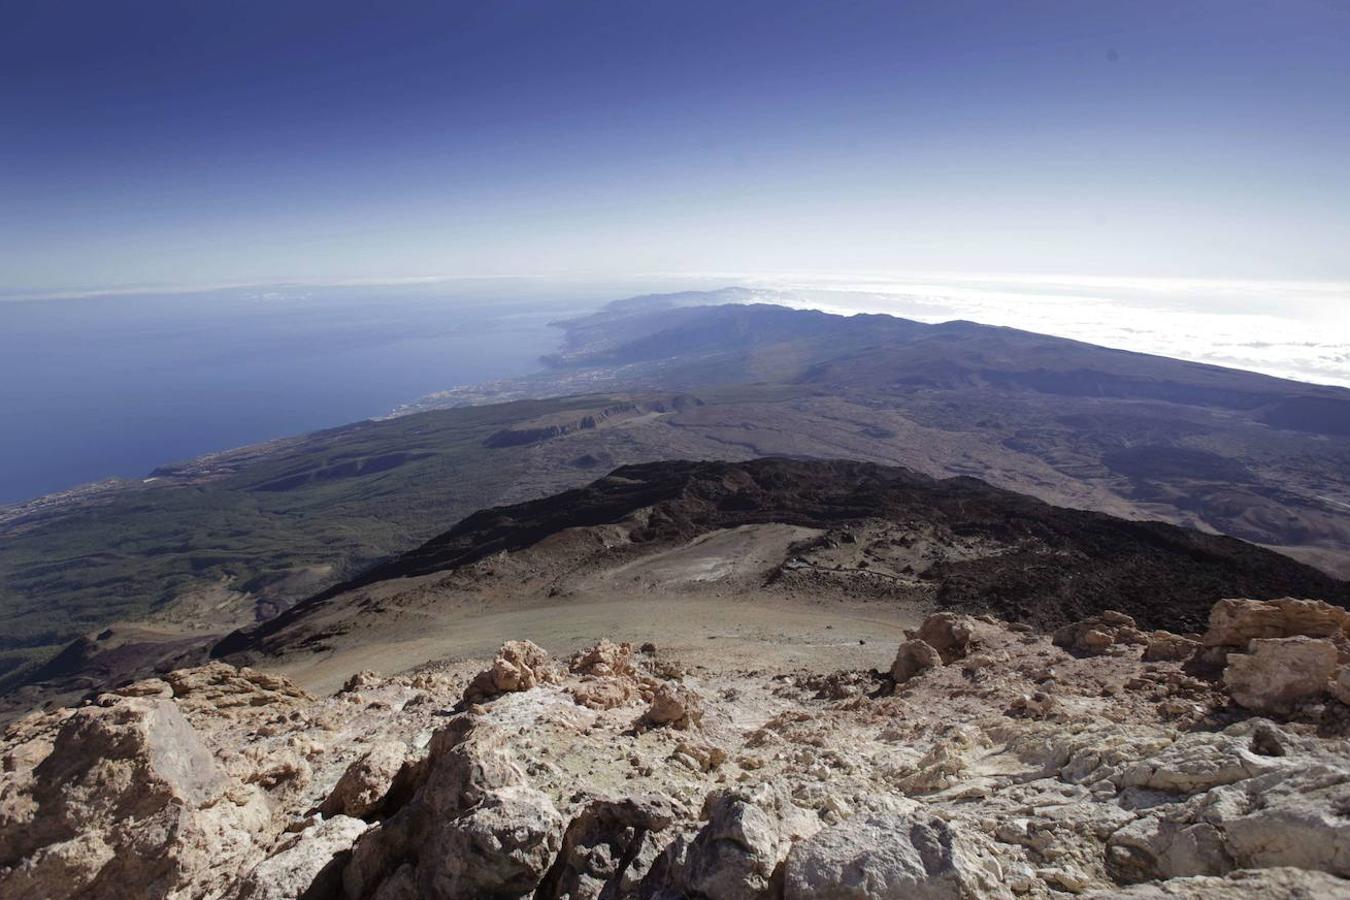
[704, 601]
[721, 634]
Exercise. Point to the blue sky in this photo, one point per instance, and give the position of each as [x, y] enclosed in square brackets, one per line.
[202, 143]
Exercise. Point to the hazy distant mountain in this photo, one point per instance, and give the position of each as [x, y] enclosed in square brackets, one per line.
[224, 541]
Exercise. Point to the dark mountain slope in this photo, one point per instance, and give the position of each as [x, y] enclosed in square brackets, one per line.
[1021, 558]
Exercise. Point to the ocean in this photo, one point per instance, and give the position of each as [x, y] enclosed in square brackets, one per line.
[116, 385]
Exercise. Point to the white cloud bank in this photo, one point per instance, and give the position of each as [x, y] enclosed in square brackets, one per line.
[1297, 330]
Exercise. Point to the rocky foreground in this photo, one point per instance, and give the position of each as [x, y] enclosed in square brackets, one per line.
[991, 761]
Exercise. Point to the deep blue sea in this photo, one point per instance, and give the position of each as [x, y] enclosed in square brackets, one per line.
[117, 385]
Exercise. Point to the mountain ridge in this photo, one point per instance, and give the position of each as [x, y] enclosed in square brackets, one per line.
[261, 528]
[987, 550]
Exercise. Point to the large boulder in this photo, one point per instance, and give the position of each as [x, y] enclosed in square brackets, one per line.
[128, 800]
[472, 827]
[1098, 634]
[674, 705]
[912, 658]
[518, 666]
[739, 852]
[1152, 847]
[1276, 674]
[952, 635]
[307, 864]
[363, 785]
[604, 659]
[607, 849]
[608, 677]
[1233, 623]
[1245, 809]
[1289, 818]
[219, 691]
[1165, 646]
[902, 856]
[1340, 685]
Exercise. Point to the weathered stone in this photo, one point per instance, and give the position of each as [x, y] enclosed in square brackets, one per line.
[1036, 705]
[1340, 685]
[305, 864]
[604, 659]
[1232, 623]
[607, 849]
[1151, 847]
[913, 657]
[129, 795]
[363, 785]
[1247, 884]
[519, 666]
[905, 856]
[1196, 763]
[738, 852]
[674, 705]
[1096, 634]
[602, 692]
[950, 634]
[1278, 673]
[1294, 817]
[473, 827]
[1165, 646]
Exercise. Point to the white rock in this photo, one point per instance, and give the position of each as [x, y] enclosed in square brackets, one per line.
[913, 856]
[308, 860]
[1275, 674]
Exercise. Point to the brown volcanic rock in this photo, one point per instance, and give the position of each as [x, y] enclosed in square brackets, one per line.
[519, 666]
[1020, 768]
[473, 828]
[1232, 623]
[952, 636]
[607, 848]
[674, 705]
[914, 657]
[128, 796]
[363, 785]
[1098, 634]
[604, 659]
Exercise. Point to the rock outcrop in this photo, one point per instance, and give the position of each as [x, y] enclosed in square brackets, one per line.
[1098, 634]
[738, 854]
[674, 705]
[904, 856]
[474, 827]
[607, 848]
[1233, 623]
[363, 785]
[128, 795]
[306, 864]
[1014, 765]
[913, 657]
[519, 666]
[1276, 674]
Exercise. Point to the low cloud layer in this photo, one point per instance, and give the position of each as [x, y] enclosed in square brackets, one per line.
[1298, 330]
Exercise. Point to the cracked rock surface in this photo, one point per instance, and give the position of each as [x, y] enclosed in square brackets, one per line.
[1102, 761]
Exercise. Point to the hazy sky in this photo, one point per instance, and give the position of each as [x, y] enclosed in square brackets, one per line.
[198, 142]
